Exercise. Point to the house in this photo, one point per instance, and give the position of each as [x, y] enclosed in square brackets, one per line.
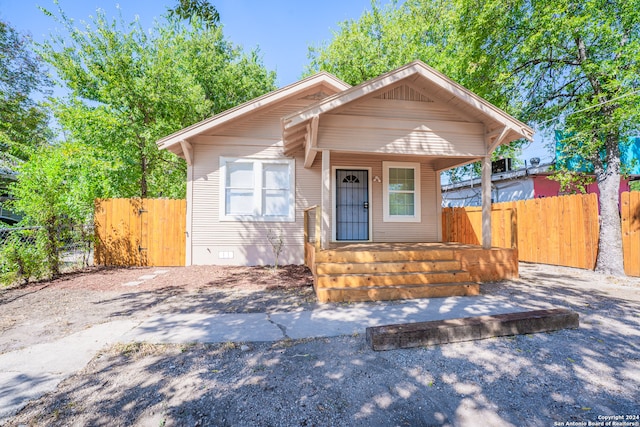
[7, 217]
[362, 164]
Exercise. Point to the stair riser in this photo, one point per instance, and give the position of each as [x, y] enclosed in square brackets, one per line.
[384, 256]
[347, 281]
[384, 294]
[386, 267]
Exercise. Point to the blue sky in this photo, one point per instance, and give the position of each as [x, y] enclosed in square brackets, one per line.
[282, 29]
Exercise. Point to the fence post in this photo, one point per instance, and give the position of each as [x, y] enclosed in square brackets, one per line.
[318, 227]
[306, 226]
[514, 228]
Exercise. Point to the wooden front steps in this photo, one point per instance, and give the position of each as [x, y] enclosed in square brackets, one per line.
[388, 272]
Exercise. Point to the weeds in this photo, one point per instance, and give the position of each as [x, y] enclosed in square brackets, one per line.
[276, 239]
[138, 349]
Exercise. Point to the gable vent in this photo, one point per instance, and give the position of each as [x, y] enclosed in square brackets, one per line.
[316, 96]
[404, 93]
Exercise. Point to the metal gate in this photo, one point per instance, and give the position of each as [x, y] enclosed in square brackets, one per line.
[352, 204]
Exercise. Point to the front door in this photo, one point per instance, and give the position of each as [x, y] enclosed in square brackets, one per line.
[352, 204]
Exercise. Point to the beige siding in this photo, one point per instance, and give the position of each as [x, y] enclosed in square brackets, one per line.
[424, 231]
[246, 240]
[259, 136]
[374, 107]
[266, 124]
[401, 127]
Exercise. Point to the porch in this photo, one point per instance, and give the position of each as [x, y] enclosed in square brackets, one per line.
[366, 271]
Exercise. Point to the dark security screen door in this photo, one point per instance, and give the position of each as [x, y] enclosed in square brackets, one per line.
[352, 204]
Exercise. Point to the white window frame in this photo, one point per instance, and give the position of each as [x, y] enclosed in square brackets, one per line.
[387, 217]
[258, 208]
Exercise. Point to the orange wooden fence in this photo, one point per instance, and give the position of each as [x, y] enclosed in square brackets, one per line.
[631, 232]
[140, 232]
[555, 230]
[464, 225]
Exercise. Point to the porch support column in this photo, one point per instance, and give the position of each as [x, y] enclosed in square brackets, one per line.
[486, 202]
[500, 135]
[325, 238]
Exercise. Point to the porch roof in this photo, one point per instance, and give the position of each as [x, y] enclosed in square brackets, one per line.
[301, 128]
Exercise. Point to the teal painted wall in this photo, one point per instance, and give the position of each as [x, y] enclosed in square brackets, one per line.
[629, 156]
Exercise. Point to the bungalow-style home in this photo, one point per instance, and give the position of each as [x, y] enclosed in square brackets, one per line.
[349, 178]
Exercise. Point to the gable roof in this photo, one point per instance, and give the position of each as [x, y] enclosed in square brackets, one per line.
[501, 127]
[174, 140]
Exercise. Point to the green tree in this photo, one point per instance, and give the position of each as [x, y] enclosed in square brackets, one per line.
[55, 191]
[128, 88]
[385, 38]
[570, 65]
[23, 123]
[192, 9]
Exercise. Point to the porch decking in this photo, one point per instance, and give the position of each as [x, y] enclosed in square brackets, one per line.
[390, 271]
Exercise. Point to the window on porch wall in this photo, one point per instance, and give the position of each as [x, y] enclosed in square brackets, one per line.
[401, 194]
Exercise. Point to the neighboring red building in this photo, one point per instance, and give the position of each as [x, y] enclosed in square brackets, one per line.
[545, 187]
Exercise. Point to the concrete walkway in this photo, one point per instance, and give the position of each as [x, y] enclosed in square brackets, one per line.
[29, 373]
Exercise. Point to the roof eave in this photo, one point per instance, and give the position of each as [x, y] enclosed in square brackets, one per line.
[250, 106]
[417, 68]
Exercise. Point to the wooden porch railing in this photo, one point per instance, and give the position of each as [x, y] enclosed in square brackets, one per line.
[464, 225]
[309, 235]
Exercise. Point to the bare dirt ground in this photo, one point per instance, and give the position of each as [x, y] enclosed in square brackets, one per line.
[580, 376]
[45, 311]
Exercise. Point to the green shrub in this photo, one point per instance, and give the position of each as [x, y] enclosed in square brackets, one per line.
[21, 257]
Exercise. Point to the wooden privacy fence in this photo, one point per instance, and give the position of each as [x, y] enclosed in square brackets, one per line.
[140, 232]
[464, 225]
[630, 211]
[554, 230]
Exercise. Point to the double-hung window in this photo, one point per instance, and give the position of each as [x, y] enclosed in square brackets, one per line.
[257, 189]
[401, 195]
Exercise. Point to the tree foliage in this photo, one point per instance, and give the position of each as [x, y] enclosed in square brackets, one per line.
[130, 87]
[21, 257]
[193, 9]
[385, 38]
[127, 88]
[55, 191]
[572, 66]
[388, 37]
[575, 66]
[23, 123]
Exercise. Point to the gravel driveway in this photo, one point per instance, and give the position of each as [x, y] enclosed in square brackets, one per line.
[574, 376]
